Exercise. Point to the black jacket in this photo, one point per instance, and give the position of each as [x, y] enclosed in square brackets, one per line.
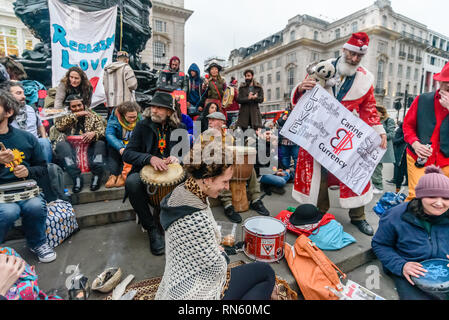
[143, 144]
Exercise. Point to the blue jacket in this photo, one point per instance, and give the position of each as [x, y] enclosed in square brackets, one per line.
[195, 91]
[402, 238]
[114, 133]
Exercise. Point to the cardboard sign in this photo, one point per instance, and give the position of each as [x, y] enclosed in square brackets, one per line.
[341, 142]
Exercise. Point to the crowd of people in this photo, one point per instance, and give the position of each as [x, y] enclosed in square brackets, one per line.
[130, 139]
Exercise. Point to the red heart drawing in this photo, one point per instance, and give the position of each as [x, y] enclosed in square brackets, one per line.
[342, 142]
[94, 82]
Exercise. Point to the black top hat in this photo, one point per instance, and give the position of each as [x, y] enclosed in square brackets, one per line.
[163, 99]
[306, 214]
[213, 64]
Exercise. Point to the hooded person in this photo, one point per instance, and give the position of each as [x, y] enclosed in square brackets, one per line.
[119, 81]
[195, 90]
[354, 89]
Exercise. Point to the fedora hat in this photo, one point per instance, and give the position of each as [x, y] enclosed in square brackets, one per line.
[306, 214]
[443, 76]
[164, 100]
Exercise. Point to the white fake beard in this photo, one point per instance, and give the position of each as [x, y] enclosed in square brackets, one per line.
[345, 69]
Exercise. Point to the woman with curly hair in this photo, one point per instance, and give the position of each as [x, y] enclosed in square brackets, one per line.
[74, 82]
[196, 264]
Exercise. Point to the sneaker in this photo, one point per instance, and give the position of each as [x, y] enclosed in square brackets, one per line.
[232, 215]
[259, 208]
[45, 253]
[391, 181]
[377, 191]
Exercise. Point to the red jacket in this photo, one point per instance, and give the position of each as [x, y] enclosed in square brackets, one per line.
[411, 136]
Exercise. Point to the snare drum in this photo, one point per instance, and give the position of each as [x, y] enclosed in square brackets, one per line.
[436, 279]
[81, 152]
[264, 239]
[161, 183]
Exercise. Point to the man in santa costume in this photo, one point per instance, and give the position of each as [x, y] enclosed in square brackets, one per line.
[427, 124]
[354, 89]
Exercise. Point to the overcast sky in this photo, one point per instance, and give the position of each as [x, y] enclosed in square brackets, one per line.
[216, 27]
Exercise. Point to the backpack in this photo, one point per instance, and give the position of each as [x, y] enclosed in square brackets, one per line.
[56, 175]
[315, 274]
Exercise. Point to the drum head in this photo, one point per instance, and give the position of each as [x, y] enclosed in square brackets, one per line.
[436, 280]
[240, 150]
[265, 226]
[174, 174]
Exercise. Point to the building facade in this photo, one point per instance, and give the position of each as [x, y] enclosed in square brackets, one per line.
[14, 35]
[435, 58]
[396, 53]
[168, 19]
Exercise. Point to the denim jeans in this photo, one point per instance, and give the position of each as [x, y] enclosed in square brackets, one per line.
[34, 215]
[287, 153]
[46, 148]
[274, 180]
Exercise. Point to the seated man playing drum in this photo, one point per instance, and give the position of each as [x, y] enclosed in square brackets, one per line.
[21, 158]
[150, 145]
[217, 123]
[84, 127]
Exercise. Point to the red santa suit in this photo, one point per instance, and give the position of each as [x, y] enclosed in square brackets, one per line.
[358, 98]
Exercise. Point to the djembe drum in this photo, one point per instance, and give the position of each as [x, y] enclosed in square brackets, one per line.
[161, 183]
[243, 169]
[81, 152]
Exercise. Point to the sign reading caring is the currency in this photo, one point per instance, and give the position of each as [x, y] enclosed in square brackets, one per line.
[341, 142]
[82, 39]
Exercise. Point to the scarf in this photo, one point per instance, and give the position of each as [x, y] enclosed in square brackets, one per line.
[194, 188]
[21, 118]
[125, 124]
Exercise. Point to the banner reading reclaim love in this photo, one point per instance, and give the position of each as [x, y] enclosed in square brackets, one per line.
[83, 39]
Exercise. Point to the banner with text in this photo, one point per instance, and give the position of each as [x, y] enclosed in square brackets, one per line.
[83, 39]
[341, 142]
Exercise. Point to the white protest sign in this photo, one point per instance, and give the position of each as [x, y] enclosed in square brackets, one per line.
[83, 39]
[341, 142]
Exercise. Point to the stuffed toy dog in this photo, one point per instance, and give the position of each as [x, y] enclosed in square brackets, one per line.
[323, 72]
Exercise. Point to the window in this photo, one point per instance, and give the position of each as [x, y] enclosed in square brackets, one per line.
[408, 73]
[416, 74]
[9, 44]
[337, 33]
[269, 95]
[261, 80]
[262, 68]
[269, 78]
[278, 62]
[380, 74]
[400, 71]
[432, 61]
[398, 88]
[315, 56]
[160, 26]
[291, 57]
[355, 27]
[291, 78]
[278, 76]
[158, 54]
[292, 36]
[315, 36]
[384, 21]
[390, 69]
[270, 65]
[278, 93]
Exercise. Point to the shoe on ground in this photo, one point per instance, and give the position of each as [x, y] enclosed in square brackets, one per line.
[259, 208]
[44, 253]
[391, 181]
[120, 182]
[77, 184]
[157, 241]
[111, 182]
[377, 191]
[232, 215]
[364, 227]
[95, 183]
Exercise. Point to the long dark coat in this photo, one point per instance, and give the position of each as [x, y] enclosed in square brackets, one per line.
[249, 115]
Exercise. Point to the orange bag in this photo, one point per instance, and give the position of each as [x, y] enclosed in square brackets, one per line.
[313, 270]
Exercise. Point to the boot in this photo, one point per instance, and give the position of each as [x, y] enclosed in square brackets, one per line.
[77, 184]
[111, 182]
[157, 241]
[95, 183]
[120, 182]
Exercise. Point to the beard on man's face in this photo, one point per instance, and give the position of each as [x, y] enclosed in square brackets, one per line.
[158, 119]
[346, 67]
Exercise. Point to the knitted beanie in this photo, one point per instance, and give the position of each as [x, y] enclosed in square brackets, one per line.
[433, 184]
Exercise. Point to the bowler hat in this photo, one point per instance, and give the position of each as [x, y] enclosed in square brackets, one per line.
[443, 76]
[163, 99]
[306, 214]
[217, 116]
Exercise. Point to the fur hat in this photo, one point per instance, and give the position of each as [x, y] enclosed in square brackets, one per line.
[358, 43]
[433, 184]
